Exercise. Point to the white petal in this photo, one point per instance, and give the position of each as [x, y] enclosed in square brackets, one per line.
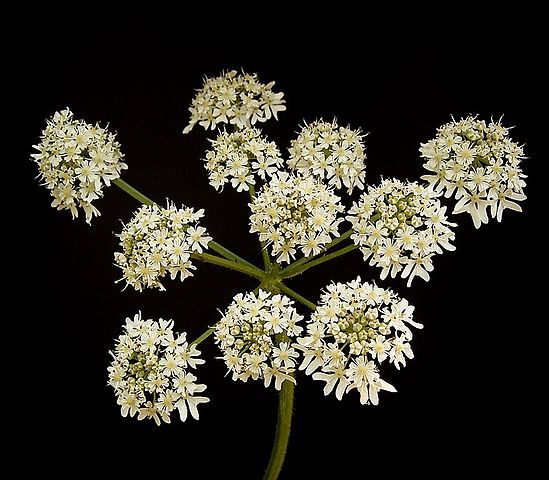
[341, 388]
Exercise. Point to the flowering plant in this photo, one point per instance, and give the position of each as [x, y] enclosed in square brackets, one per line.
[272, 333]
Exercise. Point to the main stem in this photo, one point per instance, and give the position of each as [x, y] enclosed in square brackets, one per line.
[282, 433]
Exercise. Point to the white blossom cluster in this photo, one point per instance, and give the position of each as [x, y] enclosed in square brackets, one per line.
[150, 371]
[355, 328]
[399, 226]
[330, 152]
[75, 161]
[236, 99]
[159, 240]
[255, 335]
[294, 212]
[237, 157]
[479, 165]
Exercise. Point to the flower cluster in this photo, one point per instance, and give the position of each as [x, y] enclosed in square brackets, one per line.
[240, 100]
[75, 161]
[399, 226]
[237, 156]
[294, 212]
[254, 336]
[160, 240]
[150, 371]
[354, 329]
[479, 165]
[330, 152]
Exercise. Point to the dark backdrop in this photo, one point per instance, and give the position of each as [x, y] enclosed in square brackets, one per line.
[466, 402]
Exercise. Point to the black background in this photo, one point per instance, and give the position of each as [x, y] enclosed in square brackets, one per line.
[466, 404]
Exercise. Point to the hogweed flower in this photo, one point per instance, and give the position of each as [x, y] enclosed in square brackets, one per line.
[150, 371]
[239, 156]
[479, 165]
[399, 226]
[330, 152]
[236, 99]
[255, 335]
[354, 329]
[75, 161]
[160, 240]
[294, 213]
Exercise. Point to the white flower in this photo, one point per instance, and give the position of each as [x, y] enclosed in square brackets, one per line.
[330, 152]
[75, 161]
[149, 375]
[355, 328]
[240, 156]
[249, 336]
[363, 375]
[479, 165]
[399, 227]
[284, 355]
[238, 99]
[157, 241]
[293, 212]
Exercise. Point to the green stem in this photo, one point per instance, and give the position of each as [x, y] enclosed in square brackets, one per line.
[225, 252]
[237, 266]
[282, 434]
[291, 293]
[263, 246]
[318, 261]
[204, 336]
[333, 243]
[132, 191]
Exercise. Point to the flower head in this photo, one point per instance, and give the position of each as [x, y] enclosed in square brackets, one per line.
[76, 160]
[399, 227]
[330, 152]
[479, 165]
[293, 212]
[238, 99]
[355, 328]
[254, 335]
[150, 371]
[237, 157]
[160, 240]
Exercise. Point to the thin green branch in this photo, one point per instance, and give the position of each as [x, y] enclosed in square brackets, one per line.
[318, 261]
[328, 246]
[133, 192]
[204, 336]
[263, 245]
[250, 270]
[291, 293]
[225, 252]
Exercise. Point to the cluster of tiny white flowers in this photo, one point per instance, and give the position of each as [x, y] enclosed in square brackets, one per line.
[248, 335]
[356, 327]
[150, 371]
[330, 152]
[238, 99]
[479, 165]
[75, 161]
[293, 212]
[238, 156]
[160, 240]
[400, 226]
